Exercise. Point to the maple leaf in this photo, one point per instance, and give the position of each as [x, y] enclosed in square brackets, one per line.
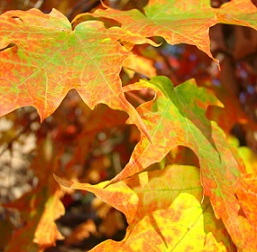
[169, 19]
[181, 21]
[39, 208]
[176, 117]
[228, 13]
[42, 58]
[249, 158]
[231, 114]
[247, 197]
[163, 211]
[47, 233]
[81, 232]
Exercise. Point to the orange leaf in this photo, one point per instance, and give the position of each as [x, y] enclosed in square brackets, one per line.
[81, 232]
[47, 233]
[247, 196]
[163, 211]
[42, 58]
[176, 117]
[183, 21]
[39, 209]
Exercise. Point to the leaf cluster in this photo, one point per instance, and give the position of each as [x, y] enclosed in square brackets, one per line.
[109, 110]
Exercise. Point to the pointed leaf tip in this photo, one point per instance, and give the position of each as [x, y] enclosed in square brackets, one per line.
[63, 182]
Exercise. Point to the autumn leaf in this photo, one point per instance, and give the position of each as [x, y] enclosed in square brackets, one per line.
[176, 117]
[81, 232]
[247, 197]
[249, 158]
[140, 64]
[182, 22]
[229, 13]
[47, 233]
[42, 58]
[163, 211]
[39, 209]
[169, 19]
[231, 114]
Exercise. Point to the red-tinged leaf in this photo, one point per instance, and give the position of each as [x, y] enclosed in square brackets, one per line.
[229, 13]
[39, 209]
[81, 232]
[42, 58]
[176, 117]
[163, 211]
[169, 19]
[232, 112]
[249, 234]
[247, 197]
[47, 233]
[30, 206]
[249, 158]
[140, 64]
[183, 21]
[247, 155]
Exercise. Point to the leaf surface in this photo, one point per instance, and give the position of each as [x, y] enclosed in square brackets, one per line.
[247, 197]
[229, 13]
[183, 21]
[42, 58]
[176, 117]
[163, 211]
[47, 233]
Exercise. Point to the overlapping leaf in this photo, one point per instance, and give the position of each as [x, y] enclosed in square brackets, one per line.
[177, 117]
[183, 21]
[247, 197]
[231, 114]
[39, 207]
[47, 233]
[163, 211]
[229, 13]
[42, 58]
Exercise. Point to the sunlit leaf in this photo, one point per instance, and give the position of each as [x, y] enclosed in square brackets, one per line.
[163, 211]
[177, 117]
[249, 158]
[42, 58]
[229, 13]
[47, 233]
[183, 22]
[247, 197]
